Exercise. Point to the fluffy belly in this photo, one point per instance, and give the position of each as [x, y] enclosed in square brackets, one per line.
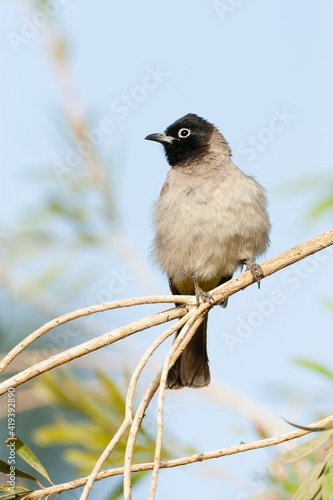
[195, 241]
[196, 236]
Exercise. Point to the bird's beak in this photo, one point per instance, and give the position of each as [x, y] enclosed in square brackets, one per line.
[163, 138]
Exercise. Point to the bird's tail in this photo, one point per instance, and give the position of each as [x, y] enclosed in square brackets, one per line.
[191, 368]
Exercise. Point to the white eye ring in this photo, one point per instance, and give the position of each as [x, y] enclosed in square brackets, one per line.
[181, 133]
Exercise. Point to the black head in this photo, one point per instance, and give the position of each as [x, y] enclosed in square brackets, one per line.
[185, 139]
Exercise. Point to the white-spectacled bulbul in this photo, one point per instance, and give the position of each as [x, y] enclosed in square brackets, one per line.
[210, 218]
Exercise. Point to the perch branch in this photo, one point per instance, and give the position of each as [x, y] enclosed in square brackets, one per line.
[219, 294]
[190, 319]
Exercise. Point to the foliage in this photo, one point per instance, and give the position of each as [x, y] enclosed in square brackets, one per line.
[85, 419]
[8, 491]
[87, 416]
[320, 183]
[315, 456]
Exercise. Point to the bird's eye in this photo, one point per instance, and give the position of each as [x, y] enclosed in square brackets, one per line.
[184, 132]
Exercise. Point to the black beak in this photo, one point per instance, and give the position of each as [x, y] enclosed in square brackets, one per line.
[162, 138]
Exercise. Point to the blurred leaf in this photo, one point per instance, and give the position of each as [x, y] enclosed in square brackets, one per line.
[26, 454]
[70, 433]
[327, 484]
[311, 484]
[6, 494]
[329, 304]
[67, 392]
[323, 206]
[111, 392]
[43, 280]
[320, 182]
[5, 468]
[72, 212]
[300, 451]
[308, 182]
[85, 433]
[315, 367]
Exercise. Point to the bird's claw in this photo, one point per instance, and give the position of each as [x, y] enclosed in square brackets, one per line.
[256, 271]
[205, 296]
[201, 294]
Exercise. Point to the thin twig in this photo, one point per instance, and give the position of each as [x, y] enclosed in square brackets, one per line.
[129, 404]
[91, 345]
[221, 293]
[133, 433]
[178, 346]
[86, 311]
[176, 462]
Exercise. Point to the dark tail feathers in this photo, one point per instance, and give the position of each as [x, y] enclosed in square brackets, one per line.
[191, 368]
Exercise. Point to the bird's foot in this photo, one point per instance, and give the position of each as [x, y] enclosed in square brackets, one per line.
[200, 294]
[255, 269]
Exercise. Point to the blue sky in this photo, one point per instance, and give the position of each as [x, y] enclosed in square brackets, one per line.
[262, 72]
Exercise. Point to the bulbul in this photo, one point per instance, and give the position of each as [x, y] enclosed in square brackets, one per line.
[210, 218]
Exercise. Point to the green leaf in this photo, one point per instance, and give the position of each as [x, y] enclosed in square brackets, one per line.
[329, 304]
[311, 484]
[45, 278]
[67, 390]
[112, 392]
[327, 484]
[315, 367]
[312, 428]
[4, 467]
[26, 454]
[301, 451]
[322, 207]
[68, 433]
[7, 494]
[308, 182]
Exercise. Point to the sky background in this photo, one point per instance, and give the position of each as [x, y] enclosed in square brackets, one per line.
[239, 65]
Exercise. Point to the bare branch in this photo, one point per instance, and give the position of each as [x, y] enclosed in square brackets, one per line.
[86, 311]
[177, 348]
[190, 321]
[275, 264]
[220, 293]
[199, 457]
[92, 345]
[179, 345]
[129, 405]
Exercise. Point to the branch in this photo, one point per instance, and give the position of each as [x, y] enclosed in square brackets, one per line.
[129, 405]
[91, 345]
[190, 319]
[86, 311]
[190, 459]
[275, 264]
[220, 293]
[177, 348]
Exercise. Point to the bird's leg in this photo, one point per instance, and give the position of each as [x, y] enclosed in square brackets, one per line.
[200, 294]
[255, 269]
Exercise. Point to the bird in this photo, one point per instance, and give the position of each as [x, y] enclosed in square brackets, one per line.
[209, 219]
